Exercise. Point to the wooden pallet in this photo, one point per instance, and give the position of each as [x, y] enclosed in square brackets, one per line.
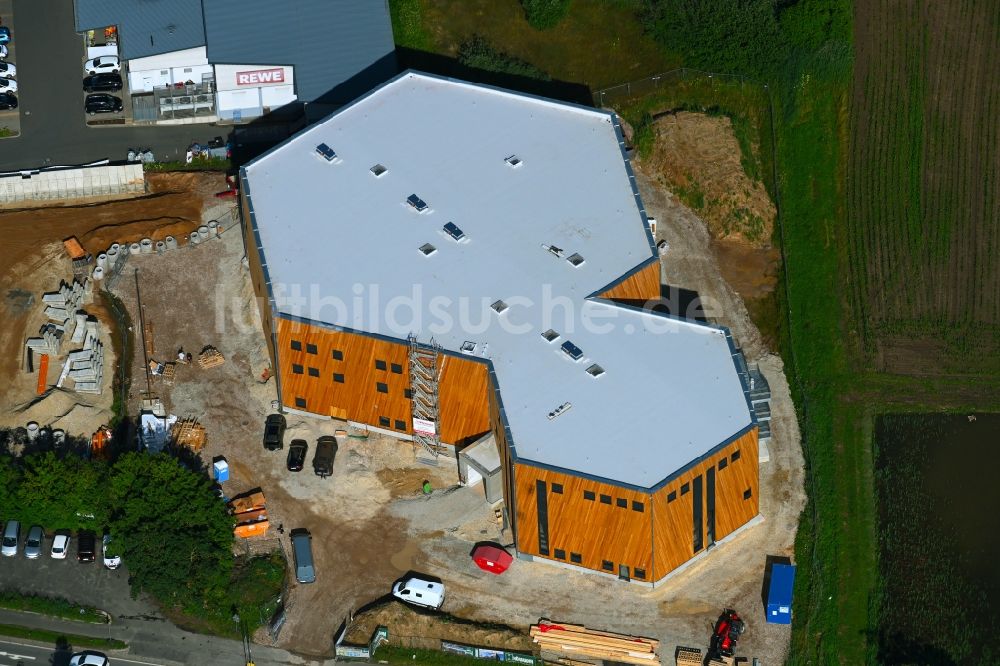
[189, 433]
[686, 656]
[577, 640]
[210, 358]
[169, 370]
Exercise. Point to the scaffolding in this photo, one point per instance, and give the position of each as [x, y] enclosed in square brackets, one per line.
[424, 394]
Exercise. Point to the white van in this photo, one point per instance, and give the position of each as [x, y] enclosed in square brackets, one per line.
[420, 592]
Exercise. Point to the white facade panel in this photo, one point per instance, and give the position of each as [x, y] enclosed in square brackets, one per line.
[241, 77]
[168, 69]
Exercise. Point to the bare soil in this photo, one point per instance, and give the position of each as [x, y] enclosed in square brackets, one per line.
[697, 157]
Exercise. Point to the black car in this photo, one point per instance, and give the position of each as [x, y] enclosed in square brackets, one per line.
[297, 455]
[100, 103]
[102, 83]
[86, 547]
[7, 101]
[326, 452]
[274, 432]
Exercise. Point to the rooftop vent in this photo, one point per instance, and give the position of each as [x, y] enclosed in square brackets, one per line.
[575, 259]
[499, 306]
[572, 350]
[514, 161]
[468, 347]
[427, 249]
[595, 370]
[560, 410]
[417, 203]
[550, 335]
[557, 251]
[452, 230]
[378, 170]
[326, 152]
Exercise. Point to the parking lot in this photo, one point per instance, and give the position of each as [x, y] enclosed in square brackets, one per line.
[10, 119]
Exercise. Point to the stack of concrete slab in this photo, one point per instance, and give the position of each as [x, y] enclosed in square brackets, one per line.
[98, 180]
[49, 340]
[61, 305]
[86, 366]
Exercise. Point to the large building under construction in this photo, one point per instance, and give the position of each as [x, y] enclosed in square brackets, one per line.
[445, 261]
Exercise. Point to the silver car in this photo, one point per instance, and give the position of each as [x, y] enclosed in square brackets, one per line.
[33, 544]
[11, 534]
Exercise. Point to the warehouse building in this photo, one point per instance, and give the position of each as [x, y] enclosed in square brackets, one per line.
[452, 263]
[240, 59]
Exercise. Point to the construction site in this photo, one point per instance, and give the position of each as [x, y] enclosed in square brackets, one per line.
[169, 331]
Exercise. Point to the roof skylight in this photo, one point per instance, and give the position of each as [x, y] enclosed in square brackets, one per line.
[326, 152]
[417, 203]
[513, 161]
[427, 249]
[378, 170]
[572, 350]
[452, 230]
[550, 335]
[575, 259]
[499, 306]
[595, 370]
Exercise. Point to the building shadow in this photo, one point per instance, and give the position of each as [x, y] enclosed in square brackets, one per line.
[769, 563]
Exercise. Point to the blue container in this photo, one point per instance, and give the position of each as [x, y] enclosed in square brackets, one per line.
[779, 594]
[221, 470]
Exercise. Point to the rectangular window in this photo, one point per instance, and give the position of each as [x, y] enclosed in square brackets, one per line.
[379, 365]
[639, 573]
[747, 494]
[638, 506]
[606, 499]
[542, 503]
[296, 345]
[314, 372]
[735, 456]
[557, 488]
[399, 425]
[575, 558]
[608, 566]
[560, 554]
[589, 495]
[297, 369]
[338, 378]
[396, 368]
[338, 355]
[408, 394]
[685, 489]
[723, 463]
[381, 388]
[672, 496]
[622, 503]
[300, 402]
[710, 505]
[383, 421]
[697, 525]
[311, 349]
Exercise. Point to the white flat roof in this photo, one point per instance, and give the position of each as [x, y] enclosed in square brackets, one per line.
[531, 184]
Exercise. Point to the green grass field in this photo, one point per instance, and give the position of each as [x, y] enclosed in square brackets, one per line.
[50, 606]
[58, 638]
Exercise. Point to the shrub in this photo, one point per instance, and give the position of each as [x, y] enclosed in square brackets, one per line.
[544, 14]
[480, 54]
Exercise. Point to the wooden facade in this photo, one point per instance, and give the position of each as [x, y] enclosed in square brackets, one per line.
[641, 286]
[632, 533]
[366, 379]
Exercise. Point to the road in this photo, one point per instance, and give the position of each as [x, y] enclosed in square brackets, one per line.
[15, 653]
[53, 124]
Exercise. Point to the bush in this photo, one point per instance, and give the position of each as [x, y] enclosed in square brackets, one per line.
[544, 14]
[480, 54]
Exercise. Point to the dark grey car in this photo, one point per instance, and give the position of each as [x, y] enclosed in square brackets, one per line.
[326, 452]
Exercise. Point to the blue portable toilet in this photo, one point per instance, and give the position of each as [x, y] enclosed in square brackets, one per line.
[221, 469]
[779, 594]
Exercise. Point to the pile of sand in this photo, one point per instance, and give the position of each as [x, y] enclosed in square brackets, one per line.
[76, 413]
[698, 158]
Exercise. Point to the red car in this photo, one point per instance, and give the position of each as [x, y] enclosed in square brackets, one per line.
[728, 630]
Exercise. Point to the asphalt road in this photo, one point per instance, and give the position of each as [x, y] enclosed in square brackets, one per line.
[54, 131]
[14, 653]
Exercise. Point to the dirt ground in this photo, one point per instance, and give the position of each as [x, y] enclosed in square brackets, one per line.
[33, 262]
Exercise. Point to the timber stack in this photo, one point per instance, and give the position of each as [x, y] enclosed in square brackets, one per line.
[577, 640]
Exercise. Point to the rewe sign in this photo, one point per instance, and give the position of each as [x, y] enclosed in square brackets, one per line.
[260, 76]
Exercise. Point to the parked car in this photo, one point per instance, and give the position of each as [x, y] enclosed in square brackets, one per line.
[101, 103]
[11, 538]
[3, 51]
[297, 451]
[109, 64]
[60, 545]
[89, 658]
[326, 452]
[102, 83]
[7, 101]
[33, 544]
[86, 545]
[420, 591]
[305, 570]
[7, 70]
[274, 432]
[110, 561]
[8, 85]
[5, 36]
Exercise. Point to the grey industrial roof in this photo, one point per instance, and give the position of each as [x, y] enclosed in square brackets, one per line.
[334, 44]
[341, 246]
[145, 27]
